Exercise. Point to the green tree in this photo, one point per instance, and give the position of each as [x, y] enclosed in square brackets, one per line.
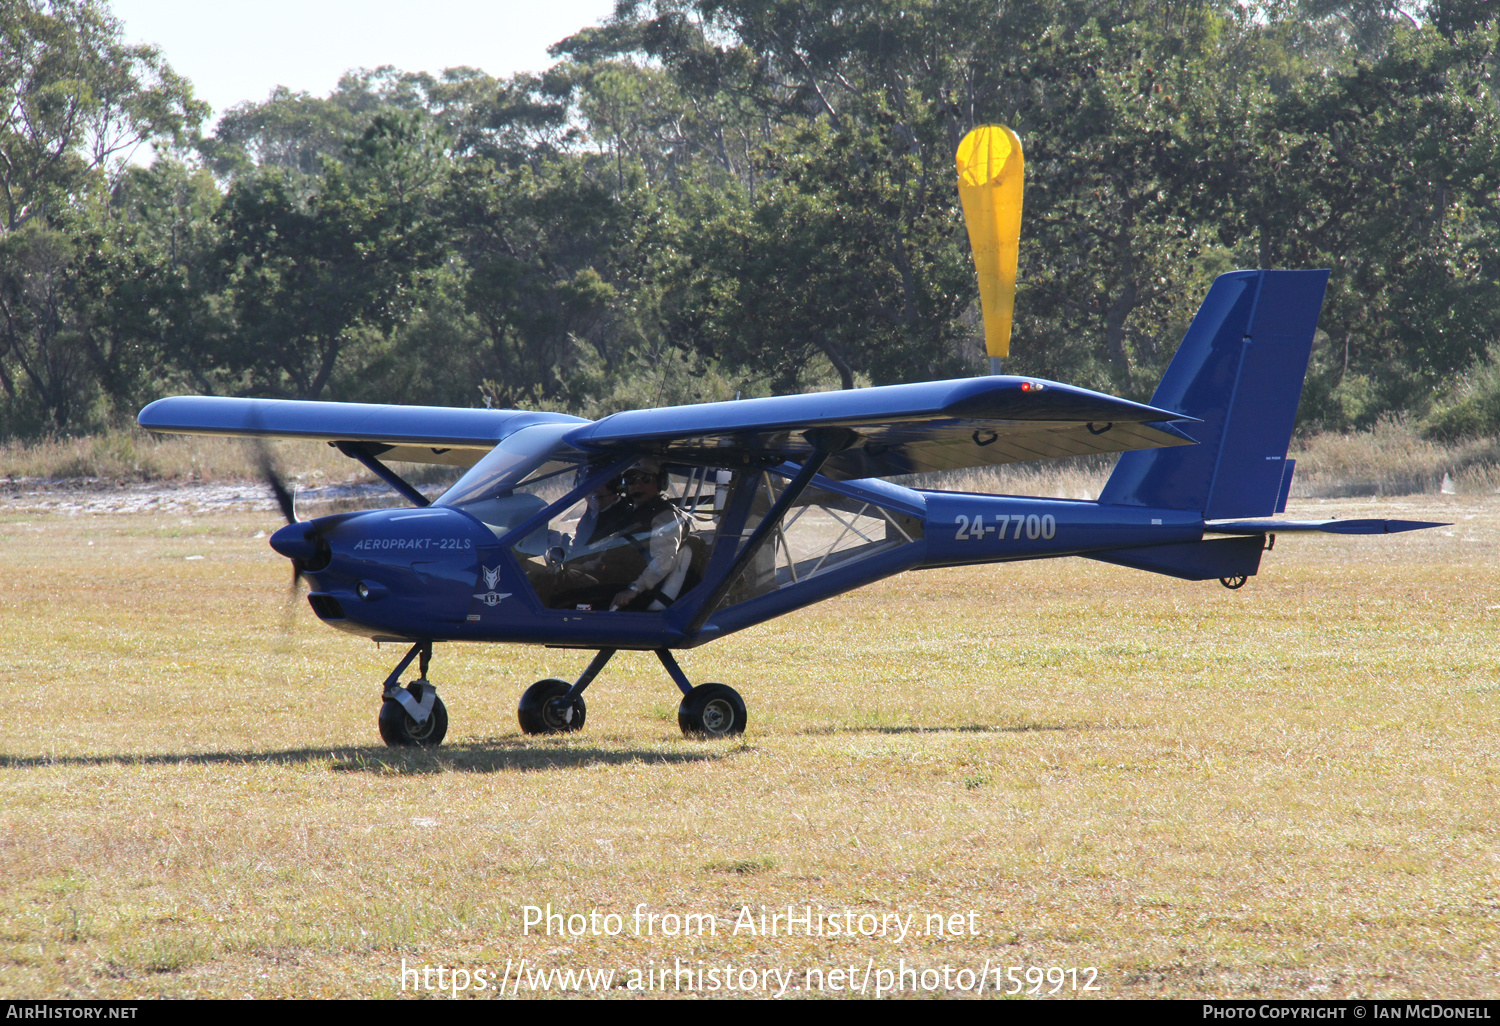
[1387, 174]
[311, 267]
[44, 365]
[542, 245]
[77, 103]
[292, 132]
[154, 302]
[77, 100]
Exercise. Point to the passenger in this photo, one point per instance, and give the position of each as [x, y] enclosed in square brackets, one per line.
[635, 542]
[606, 515]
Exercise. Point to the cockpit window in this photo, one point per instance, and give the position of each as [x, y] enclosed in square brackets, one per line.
[521, 458]
[518, 478]
[637, 541]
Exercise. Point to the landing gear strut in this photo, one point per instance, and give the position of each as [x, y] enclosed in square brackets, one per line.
[413, 715]
[554, 706]
[708, 710]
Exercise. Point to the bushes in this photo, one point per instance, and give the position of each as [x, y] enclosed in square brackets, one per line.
[1471, 407]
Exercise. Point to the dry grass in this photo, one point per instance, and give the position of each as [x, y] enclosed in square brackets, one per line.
[1286, 791]
[1079, 477]
[135, 469]
[135, 455]
[1392, 459]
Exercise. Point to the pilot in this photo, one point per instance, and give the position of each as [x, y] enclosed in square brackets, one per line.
[658, 524]
[579, 568]
[597, 554]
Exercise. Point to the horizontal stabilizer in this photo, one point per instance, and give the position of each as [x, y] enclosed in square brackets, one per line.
[1326, 526]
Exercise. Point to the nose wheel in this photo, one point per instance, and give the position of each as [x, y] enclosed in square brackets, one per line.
[412, 715]
[399, 725]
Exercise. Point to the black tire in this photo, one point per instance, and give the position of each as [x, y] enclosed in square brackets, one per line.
[712, 710]
[541, 714]
[398, 729]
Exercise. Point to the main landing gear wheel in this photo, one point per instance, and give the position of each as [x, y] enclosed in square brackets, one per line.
[398, 728]
[545, 710]
[712, 710]
[1234, 583]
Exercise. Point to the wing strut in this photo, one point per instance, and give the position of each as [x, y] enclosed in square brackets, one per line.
[385, 473]
[826, 442]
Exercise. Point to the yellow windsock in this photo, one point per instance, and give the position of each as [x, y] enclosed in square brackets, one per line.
[990, 170]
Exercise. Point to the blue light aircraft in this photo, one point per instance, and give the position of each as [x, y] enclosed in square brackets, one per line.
[737, 512]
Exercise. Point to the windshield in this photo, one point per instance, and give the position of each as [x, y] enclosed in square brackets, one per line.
[531, 456]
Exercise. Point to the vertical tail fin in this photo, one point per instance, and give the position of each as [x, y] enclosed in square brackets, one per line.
[1239, 370]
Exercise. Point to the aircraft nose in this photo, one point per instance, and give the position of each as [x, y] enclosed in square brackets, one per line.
[298, 542]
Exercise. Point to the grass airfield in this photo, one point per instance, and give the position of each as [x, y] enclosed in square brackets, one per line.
[1286, 791]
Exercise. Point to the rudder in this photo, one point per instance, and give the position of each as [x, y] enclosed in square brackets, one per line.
[1239, 370]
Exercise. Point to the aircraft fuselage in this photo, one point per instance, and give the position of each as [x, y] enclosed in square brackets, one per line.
[440, 573]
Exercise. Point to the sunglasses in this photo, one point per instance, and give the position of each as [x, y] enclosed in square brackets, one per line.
[639, 477]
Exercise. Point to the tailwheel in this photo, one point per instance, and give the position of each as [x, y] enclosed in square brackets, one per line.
[413, 715]
[712, 710]
[1234, 583]
[545, 709]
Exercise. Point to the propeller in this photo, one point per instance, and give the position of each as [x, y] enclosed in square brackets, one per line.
[296, 540]
[300, 543]
[284, 497]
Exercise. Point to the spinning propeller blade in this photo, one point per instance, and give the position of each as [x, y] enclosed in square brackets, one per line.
[266, 461]
[283, 494]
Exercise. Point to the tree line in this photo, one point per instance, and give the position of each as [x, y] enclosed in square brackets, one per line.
[704, 198]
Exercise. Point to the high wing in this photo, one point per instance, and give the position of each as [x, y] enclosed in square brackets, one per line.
[902, 429]
[411, 434]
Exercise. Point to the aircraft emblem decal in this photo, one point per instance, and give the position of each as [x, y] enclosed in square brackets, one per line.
[491, 597]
